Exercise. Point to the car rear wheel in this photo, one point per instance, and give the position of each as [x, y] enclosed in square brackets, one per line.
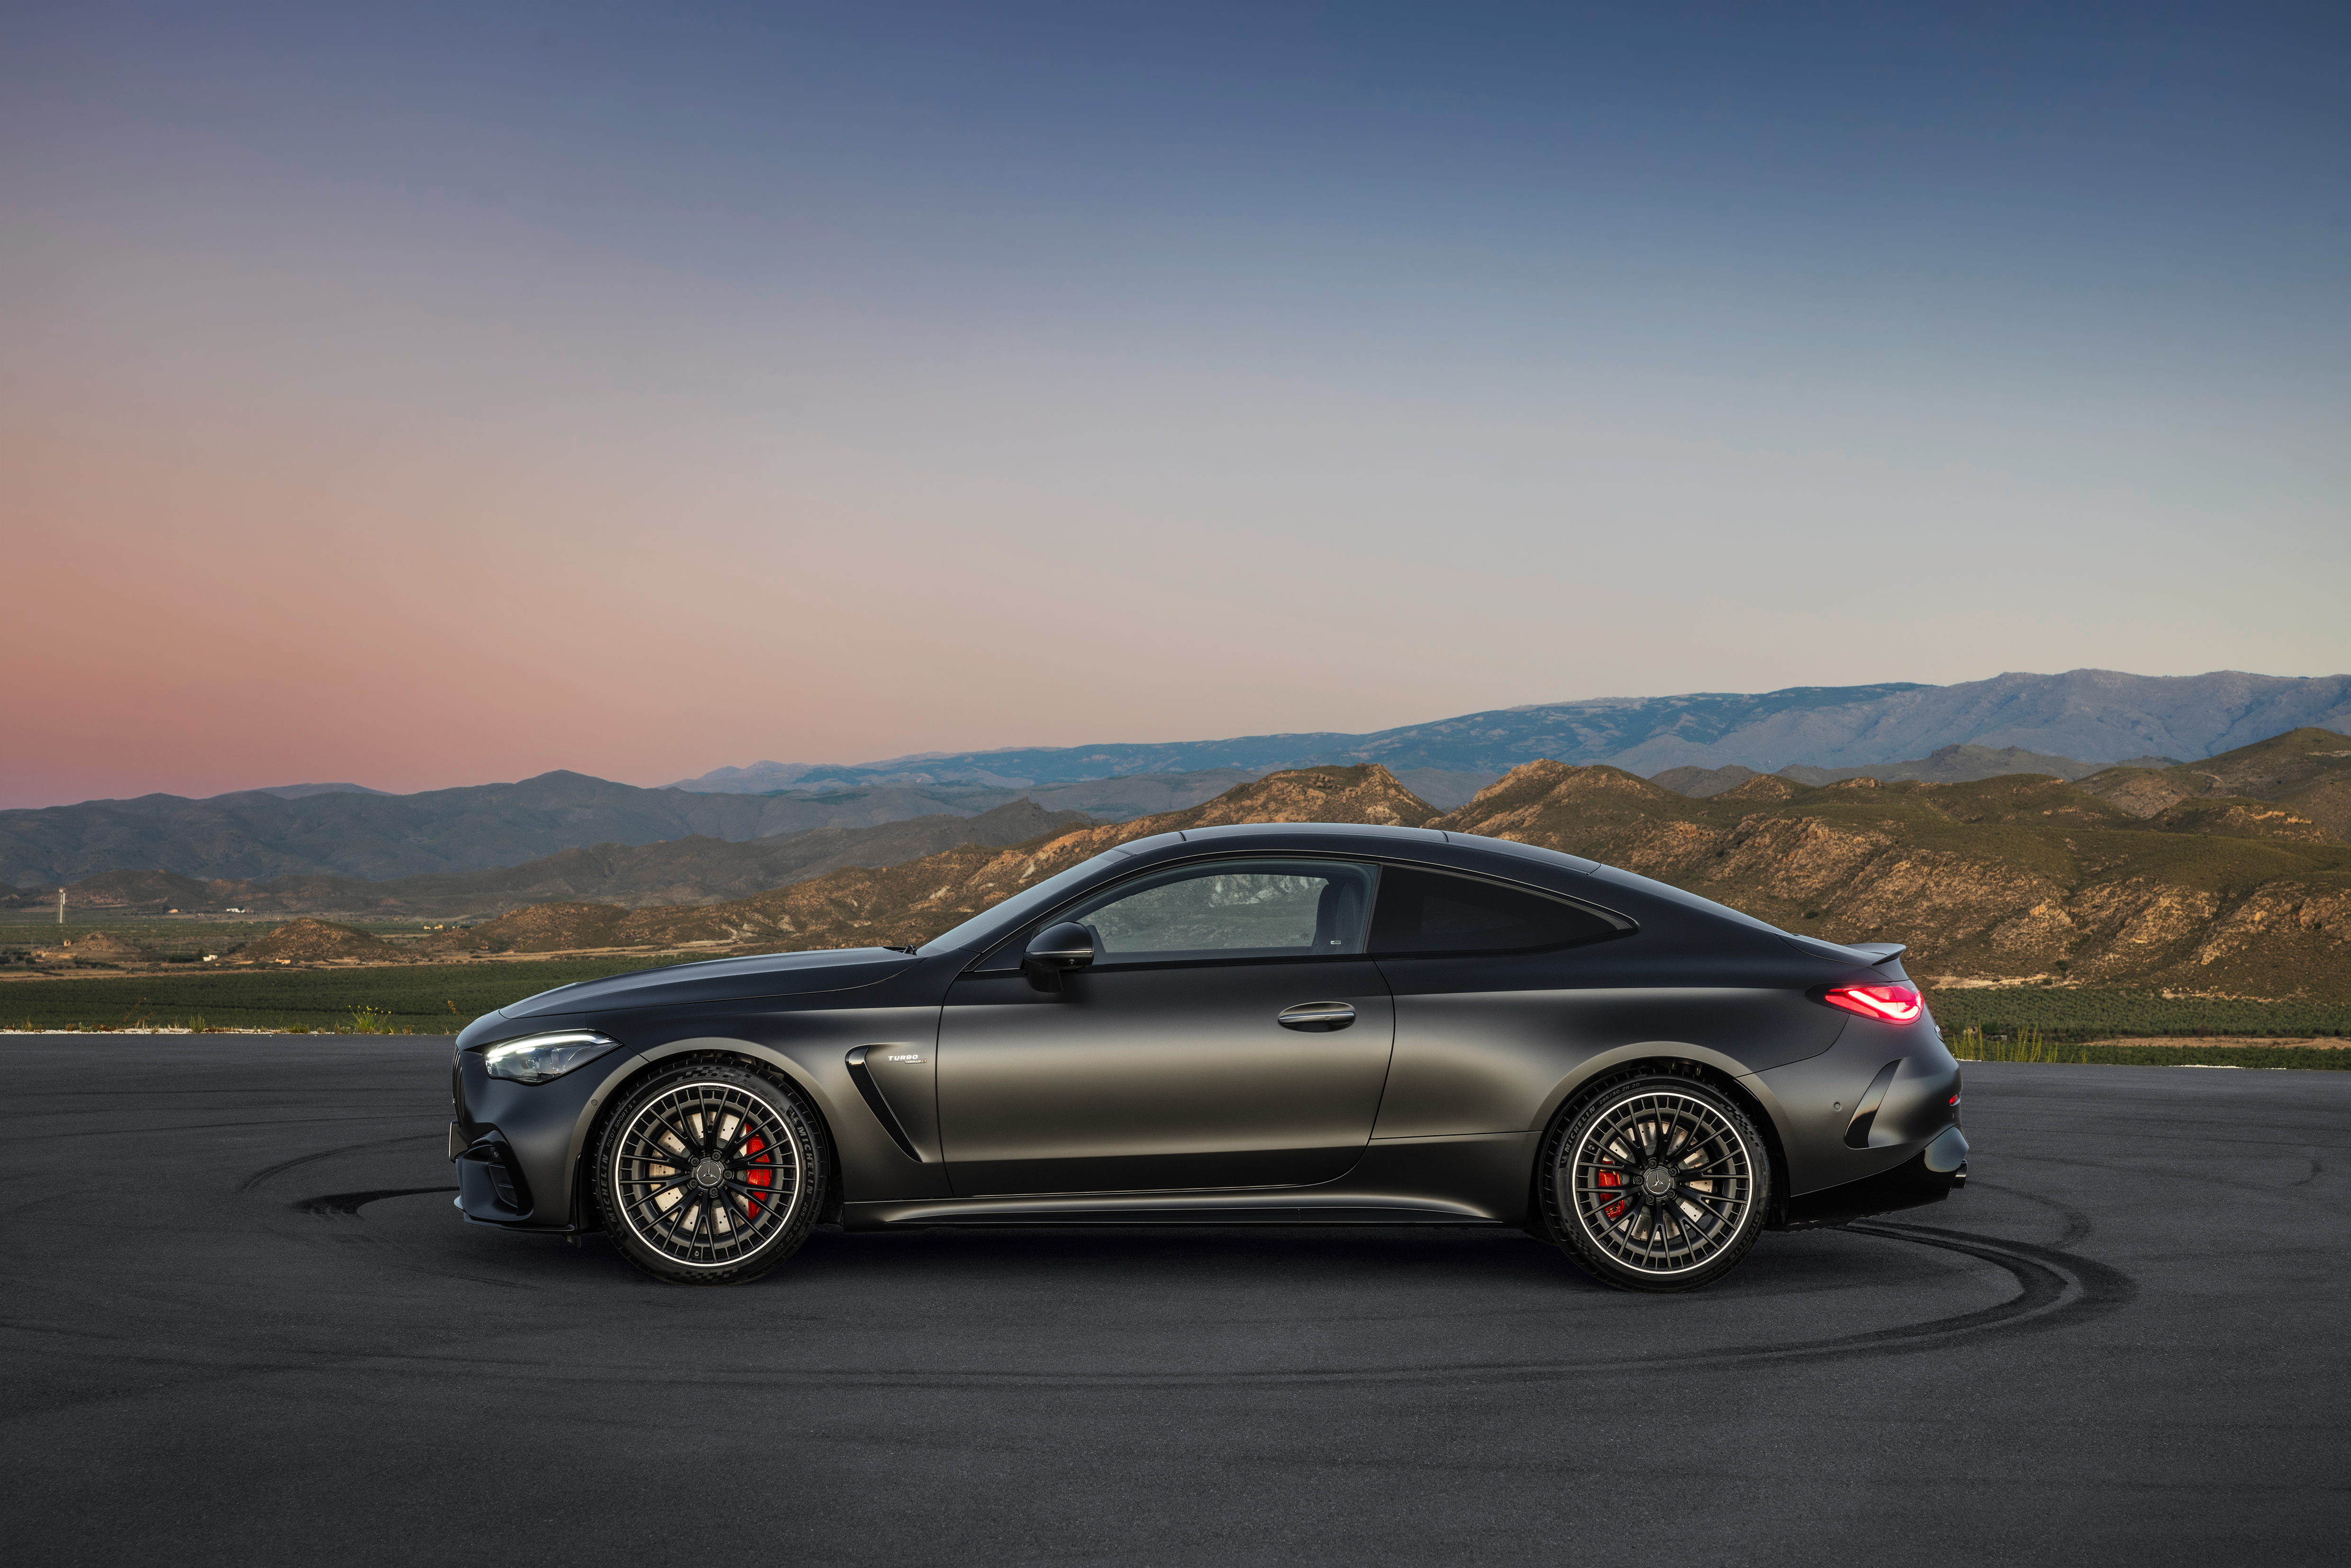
[1656, 1183]
[710, 1175]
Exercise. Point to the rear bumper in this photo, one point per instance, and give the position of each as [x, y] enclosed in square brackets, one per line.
[1930, 1175]
[1866, 1107]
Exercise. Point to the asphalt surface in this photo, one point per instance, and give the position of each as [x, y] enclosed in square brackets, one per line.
[243, 1324]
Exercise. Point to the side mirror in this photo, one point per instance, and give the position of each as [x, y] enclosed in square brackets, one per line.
[1056, 951]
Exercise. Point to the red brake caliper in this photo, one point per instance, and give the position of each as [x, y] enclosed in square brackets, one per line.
[758, 1176]
[1610, 1178]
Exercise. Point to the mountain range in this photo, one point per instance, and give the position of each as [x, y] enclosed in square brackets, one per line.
[2227, 875]
[256, 836]
[704, 869]
[1696, 745]
[688, 871]
[2101, 717]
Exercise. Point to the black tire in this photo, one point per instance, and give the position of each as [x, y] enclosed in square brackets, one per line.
[1656, 1182]
[689, 1172]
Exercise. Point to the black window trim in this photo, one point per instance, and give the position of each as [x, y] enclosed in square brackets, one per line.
[1017, 940]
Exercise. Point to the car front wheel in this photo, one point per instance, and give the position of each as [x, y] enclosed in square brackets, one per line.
[1656, 1183]
[711, 1173]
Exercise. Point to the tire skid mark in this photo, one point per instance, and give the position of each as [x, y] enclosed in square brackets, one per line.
[2055, 1290]
[352, 1202]
[343, 1205]
[282, 1167]
[2077, 1223]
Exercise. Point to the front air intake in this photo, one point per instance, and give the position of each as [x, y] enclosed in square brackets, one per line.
[497, 1162]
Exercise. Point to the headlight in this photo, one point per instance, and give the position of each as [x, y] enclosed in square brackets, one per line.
[535, 1057]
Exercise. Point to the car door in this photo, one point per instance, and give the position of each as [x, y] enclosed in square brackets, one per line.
[1169, 1063]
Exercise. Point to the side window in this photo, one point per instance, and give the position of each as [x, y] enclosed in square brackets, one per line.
[1233, 909]
[1429, 912]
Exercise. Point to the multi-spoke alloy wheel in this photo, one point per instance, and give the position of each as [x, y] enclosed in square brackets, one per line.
[1656, 1183]
[710, 1175]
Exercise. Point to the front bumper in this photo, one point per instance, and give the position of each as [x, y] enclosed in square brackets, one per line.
[517, 1145]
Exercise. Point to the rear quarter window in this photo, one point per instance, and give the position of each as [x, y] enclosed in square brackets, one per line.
[1426, 912]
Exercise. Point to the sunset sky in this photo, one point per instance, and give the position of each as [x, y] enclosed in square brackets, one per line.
[425, 395]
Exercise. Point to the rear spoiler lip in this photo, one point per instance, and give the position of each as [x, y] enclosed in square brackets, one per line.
[1876, 954]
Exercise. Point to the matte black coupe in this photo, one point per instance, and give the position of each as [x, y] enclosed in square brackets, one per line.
[1281, 1024]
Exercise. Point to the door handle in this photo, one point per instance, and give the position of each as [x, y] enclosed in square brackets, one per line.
[1324, 1016]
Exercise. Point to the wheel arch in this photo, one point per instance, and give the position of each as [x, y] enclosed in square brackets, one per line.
[616, 1090]
[1648, 1058]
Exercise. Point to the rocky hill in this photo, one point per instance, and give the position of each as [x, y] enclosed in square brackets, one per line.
[316, 942]
[2307, 771]
[1999, 878]
[1946, 764]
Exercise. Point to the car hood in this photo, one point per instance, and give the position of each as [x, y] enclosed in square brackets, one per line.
[721, 980]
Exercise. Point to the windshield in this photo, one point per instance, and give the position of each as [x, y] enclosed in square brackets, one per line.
[977, 930]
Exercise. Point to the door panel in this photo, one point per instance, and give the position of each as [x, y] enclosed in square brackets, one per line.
[1160, 1077]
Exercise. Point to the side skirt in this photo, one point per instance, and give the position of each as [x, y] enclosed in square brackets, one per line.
[1275, 1208]
[1479, 1178]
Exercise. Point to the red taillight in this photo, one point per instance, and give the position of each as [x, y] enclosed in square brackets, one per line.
[1887, 1004]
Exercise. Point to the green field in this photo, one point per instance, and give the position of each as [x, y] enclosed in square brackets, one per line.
[175, 930]
[424, 998]
[2071, 1014]
[2029, 1046]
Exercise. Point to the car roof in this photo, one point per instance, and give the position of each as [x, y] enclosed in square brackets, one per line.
[1366, 835]
[1334, 830]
